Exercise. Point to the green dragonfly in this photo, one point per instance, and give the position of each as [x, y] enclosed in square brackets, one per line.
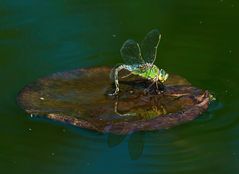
[139, 60]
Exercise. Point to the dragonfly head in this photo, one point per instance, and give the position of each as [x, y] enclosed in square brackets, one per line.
[163, 76]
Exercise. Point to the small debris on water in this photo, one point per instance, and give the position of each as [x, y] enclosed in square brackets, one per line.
[30, 129]
[42, 98]
[113, 35]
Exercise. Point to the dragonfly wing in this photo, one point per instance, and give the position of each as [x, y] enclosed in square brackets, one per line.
[149, 46]
[131, 53]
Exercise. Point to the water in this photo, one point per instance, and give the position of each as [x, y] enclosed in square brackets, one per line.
[199, 41]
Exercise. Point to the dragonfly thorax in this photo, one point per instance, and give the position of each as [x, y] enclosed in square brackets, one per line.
[147, 71]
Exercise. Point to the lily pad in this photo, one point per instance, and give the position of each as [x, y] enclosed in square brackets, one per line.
[81, 97]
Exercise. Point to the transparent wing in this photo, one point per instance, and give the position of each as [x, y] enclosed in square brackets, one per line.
[131, 53]
[149, 46]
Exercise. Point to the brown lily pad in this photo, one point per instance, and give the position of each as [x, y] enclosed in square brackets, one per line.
[80, 97]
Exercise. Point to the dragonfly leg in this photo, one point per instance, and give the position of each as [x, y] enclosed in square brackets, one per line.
[157, 85]
[155, 81]
[160, 88]
[148, 88]
[126, 75]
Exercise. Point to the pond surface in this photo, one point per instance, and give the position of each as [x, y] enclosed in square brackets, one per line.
[199, 41]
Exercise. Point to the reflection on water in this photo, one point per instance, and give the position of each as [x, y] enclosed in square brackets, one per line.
[137, 140]
[135, 143]
[146, 113]
[199, 42]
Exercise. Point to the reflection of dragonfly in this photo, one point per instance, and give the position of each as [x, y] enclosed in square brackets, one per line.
[141, 64]
[147, 114]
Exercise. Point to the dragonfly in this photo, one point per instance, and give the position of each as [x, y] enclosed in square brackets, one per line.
[139, 60]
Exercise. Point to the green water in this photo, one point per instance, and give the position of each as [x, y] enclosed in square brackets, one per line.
[199, 41]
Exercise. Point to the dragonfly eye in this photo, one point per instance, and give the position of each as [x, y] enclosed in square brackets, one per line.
[162, 72]
[163, 75]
